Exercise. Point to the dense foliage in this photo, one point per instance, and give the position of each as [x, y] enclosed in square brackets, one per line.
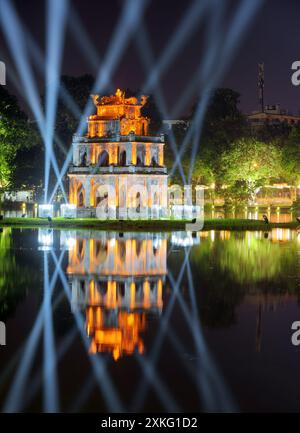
[236, 159]
[19, 143]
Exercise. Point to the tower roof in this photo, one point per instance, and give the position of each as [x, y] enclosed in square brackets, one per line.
[119, 99]
[124, 113]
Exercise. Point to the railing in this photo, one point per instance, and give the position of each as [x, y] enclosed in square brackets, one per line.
[117, 169]
[119, 138]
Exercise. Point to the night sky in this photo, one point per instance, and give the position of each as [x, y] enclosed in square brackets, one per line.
[273, 37]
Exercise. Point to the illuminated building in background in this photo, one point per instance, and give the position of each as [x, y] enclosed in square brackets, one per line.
[272, 115]
[118, 168]
[117, 279]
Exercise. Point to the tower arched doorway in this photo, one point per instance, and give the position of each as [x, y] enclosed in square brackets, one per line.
[103, 159]
[138, 201]
[80, 195]
[122, 158]
[140, 157]
[102, 198]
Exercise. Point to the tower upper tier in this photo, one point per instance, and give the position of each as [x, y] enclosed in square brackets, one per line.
[117, 114]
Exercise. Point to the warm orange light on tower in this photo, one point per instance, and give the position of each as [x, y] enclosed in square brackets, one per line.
[118, 114]
[119, 341]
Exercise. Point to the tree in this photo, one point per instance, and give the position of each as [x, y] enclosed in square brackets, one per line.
[291, 157]
[16, 134]
[223, 122]
[151, 110]
[80, 89]
[203, 171]
[176, 134]
[270, 132]
[223, 105]
[29, 172]
[247, 165]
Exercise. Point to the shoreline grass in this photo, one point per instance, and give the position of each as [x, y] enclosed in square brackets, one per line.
[142, 225]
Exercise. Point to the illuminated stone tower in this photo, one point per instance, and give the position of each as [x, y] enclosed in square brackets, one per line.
[118, 169]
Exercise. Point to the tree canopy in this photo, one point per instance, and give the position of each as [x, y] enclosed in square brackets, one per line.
[17, 136]
[231, 154]
[249, 164]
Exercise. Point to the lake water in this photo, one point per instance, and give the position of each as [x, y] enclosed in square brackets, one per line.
[104, 321]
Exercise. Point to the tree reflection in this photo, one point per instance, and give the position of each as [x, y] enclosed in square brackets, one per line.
[227, 267]
[250, 260]
[15, 279]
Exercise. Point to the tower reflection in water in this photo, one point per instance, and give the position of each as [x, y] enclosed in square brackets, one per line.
[117, 279]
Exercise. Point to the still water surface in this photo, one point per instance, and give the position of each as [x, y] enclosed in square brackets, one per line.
[104, 321]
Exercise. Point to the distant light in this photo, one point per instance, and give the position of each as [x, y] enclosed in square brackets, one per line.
[68, 239]
[112, 242]
[156, 243]
[45, 210]
[45, 239]
[184, 239]
[68, 210]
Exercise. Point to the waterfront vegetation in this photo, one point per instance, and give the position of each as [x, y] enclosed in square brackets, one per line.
[144, 225]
